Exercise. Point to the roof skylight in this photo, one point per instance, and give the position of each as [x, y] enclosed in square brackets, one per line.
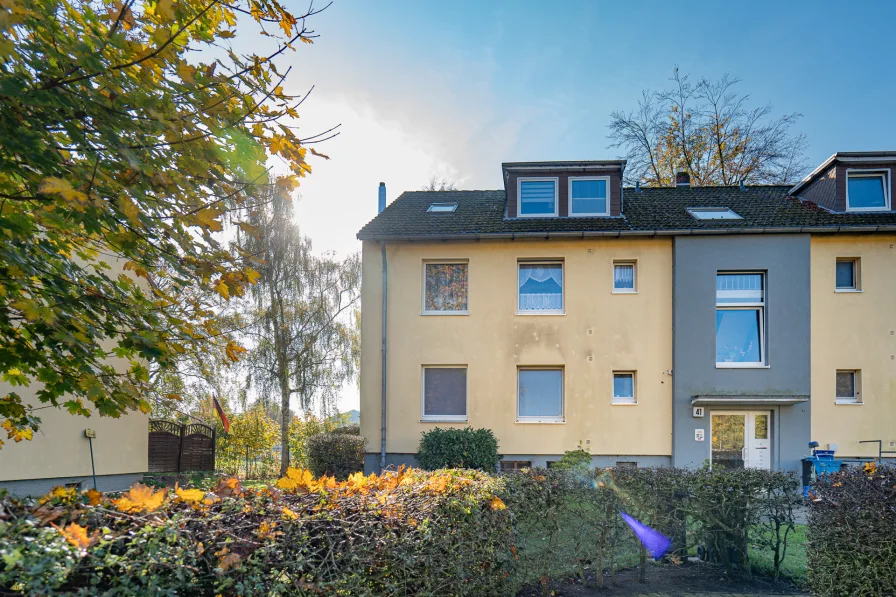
[445, 207]
[713, 213]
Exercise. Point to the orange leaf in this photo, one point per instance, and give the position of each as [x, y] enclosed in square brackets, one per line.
[94, 496]
[230, 560]
[191, 496]
[77, 535]
[140, 498]
[289, 514]
[497, 504]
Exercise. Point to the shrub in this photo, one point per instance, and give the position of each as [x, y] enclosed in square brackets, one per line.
[458, 448]
[335, 454]
[852, 525]
[578, 459]
[404, 533]
[348, 430]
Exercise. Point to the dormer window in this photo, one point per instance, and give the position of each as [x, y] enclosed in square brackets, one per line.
[444, 207]
[867, 190]
[537, 197]
[588, 196]
[713, 213]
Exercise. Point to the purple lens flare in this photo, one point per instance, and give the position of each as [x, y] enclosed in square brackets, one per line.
[655, 542]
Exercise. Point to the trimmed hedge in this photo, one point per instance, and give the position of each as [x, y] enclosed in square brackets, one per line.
[459, 448]
[348, 430]
[851, 543]
[335, 454]
[404, 533]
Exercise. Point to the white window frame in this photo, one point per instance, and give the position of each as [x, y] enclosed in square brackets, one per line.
[696, 211]
[634, 264]
[542, 419]
[760, 306]
[444, 418]
[519, 262]
[856, 387]
[588, 215]
[423, 309]
[856, 274]
[866, 173]
[624, 400]
[519, 196]
[442, 207]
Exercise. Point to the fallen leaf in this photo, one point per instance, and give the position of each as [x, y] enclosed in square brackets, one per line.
[230, 560]
[94, 496]
[140, 498]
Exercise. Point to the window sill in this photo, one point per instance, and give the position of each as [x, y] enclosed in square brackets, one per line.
[541, 421]
[625, 292]
[849, 402]
[541, 312]
[741, 366]
[848, 290]
[443, 420]
[604, 215]
[614, 403]
[449, 313]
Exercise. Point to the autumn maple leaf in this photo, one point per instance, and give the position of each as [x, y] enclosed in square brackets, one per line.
[190, 496]
[77, 535]
[94, 496]
[141, 498]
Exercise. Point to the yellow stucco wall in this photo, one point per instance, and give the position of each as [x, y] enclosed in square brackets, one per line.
[854, 331]
[617, 332]
[59, 448]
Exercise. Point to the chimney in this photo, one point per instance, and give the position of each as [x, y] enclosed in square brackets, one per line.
[682, 179]
[382, 202]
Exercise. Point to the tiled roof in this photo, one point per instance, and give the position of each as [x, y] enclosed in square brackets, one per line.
[652, 210]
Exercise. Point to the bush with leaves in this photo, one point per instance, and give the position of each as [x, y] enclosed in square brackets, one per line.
[404, 533]
[851, 543]
[348, 429]
[578, 459]
[336, 454]
[458, 448]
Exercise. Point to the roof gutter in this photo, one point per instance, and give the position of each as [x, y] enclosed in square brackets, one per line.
[621, 233]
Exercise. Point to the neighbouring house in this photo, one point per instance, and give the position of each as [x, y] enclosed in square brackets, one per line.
[59, 453]
[656, 326]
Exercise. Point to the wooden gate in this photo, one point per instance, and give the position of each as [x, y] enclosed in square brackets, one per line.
[176, 448]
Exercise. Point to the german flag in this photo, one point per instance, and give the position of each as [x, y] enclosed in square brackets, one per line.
[224, 420]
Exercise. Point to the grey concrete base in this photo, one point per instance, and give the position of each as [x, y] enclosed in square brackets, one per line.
[372, 461]
[104, 483]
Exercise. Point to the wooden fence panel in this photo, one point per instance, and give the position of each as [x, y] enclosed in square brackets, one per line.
[176, 448]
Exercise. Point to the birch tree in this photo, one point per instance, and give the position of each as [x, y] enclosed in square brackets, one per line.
[303, 342]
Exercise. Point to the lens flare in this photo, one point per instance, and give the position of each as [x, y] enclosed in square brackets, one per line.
[656, 543]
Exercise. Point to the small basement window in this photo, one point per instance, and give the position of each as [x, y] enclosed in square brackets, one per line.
[713, 213]
[445, 207]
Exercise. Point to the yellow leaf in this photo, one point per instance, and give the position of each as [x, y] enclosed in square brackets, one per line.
[165, 10]
[497, 504]
[131, 266]
[318, 154]
[207, 218]
[289, 514]
[140, 498]
[94, 496]
[185, 72]
[221, 288]
[249, 229]
[191, 496]
[234, 351]
[252, 275]
[129, 209]
[230, 560]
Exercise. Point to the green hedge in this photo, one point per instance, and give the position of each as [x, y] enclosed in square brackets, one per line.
[335, 454]
[459, 448]
[405, 533]
[851, 543]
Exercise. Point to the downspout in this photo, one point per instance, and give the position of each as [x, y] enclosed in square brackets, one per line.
[383, 398]
[381, 205]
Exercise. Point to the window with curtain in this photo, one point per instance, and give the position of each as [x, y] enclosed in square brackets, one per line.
[589, 197]
[624, 276]
[847, 278]
[740, 319]
[623, 387]
[541, 287]
[537, 197]
[445, 288]
[867, 191]
[445, 393]
[540, 395]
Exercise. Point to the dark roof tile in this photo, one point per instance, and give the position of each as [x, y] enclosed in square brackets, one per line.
[650, 210]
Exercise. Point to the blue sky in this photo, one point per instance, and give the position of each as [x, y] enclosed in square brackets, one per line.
[455, 88]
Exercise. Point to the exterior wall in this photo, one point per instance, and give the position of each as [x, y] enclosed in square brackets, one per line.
[510, 185]
[600, 332]
[854, 330]
[60, 450]
[829, 188]
[823, 191]
[785, 259]
[59, 453]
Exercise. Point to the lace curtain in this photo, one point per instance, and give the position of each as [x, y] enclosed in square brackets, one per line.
[541, 287]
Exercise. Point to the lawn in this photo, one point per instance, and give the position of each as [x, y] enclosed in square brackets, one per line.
[794, 565]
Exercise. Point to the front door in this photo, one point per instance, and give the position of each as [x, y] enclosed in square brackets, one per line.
[740, 439]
